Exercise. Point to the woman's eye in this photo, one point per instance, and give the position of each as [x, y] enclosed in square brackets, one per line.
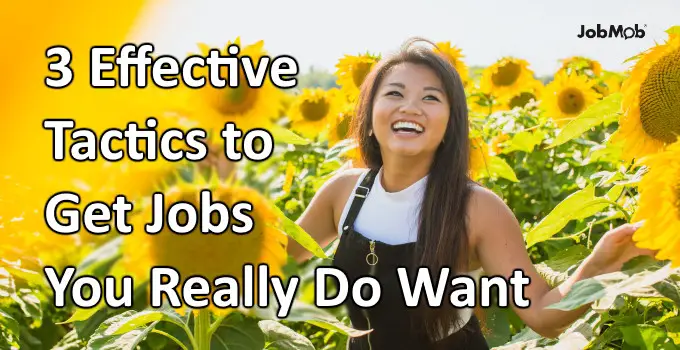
[432, 97]
[393, 93]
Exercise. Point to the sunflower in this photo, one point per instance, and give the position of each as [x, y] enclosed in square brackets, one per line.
[609, 84]
[660, 205]
[651, 102]
[455, 57]
[567, 96]
[248, 107]
[581, 65]
[209, 255]
[311, 111]
[352, 70]
[506, 77]
[340, 124]
[479, 157]
[533, 91]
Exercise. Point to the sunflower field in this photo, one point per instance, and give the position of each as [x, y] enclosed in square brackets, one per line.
[573, 157]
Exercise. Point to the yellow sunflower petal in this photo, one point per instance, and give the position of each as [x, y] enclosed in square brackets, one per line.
[339, 129]
[659, 205]
[352, 70]
[454, 55]
[651, 102]
[479, 157]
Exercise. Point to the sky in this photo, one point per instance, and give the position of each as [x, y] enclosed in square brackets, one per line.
[318, 33]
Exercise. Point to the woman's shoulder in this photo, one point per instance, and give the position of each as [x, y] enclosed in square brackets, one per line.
[485, 208]
[483, 201]
[344, 180]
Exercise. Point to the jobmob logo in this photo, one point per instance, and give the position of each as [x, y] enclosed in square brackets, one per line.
[615, 31]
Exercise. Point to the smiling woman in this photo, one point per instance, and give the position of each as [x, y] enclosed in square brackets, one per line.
[415, 206]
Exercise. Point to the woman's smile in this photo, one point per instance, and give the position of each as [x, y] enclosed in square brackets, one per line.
[407, 128]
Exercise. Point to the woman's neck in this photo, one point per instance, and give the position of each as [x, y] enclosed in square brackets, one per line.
[399, 173]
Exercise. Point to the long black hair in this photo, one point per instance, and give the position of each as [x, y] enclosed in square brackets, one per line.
[442, 238]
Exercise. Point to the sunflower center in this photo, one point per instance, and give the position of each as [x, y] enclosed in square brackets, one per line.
[360, 71]
[506, 74]
[237, 100]
[521, 100]
[343, 128]
[314, 110]
[571, 101]
[660, 99]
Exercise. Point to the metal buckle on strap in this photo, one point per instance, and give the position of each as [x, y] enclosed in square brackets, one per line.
[358, 194]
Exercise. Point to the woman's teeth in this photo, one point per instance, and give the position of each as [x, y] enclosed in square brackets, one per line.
[407, 127]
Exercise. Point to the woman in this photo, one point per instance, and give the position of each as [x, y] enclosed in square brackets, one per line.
[415, 206]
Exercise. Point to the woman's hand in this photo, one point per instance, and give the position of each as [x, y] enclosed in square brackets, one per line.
[614, 249]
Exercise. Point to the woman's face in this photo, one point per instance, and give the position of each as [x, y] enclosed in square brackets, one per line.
[410, 111]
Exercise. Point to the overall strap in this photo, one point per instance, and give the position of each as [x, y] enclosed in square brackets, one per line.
[358, 198]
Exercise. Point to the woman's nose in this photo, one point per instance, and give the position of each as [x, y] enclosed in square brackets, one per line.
[410, 107]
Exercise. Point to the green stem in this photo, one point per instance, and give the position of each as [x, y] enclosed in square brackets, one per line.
[171, 338]
[202, 330]
[216, 324]
[621, 209]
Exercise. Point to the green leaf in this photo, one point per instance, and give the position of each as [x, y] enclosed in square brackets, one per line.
[579, 205]
[237, 332]
[284, 135]
[592, 116]
[87, 327]
[9, 322]
[131, 326]
[498, 168]
[29, 276]
[83, 314]
[296, 232]
[107, 338]
[340, 148]
[7, 287]
[98, 262]
[610, 285]
[281, 337]
[670, 290]
[498, 325]
[139, 319]
[644, 336]
[30, 304]
[554, 270]
[614, 192]
[524, 141]
[303, 312]
[70, 341]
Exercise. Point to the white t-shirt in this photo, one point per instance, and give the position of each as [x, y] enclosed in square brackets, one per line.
[392, 218]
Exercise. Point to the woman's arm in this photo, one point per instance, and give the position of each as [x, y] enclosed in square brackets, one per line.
[318, 219]
[500, 248]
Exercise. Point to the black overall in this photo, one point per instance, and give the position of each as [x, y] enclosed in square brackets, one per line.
[390, 317]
